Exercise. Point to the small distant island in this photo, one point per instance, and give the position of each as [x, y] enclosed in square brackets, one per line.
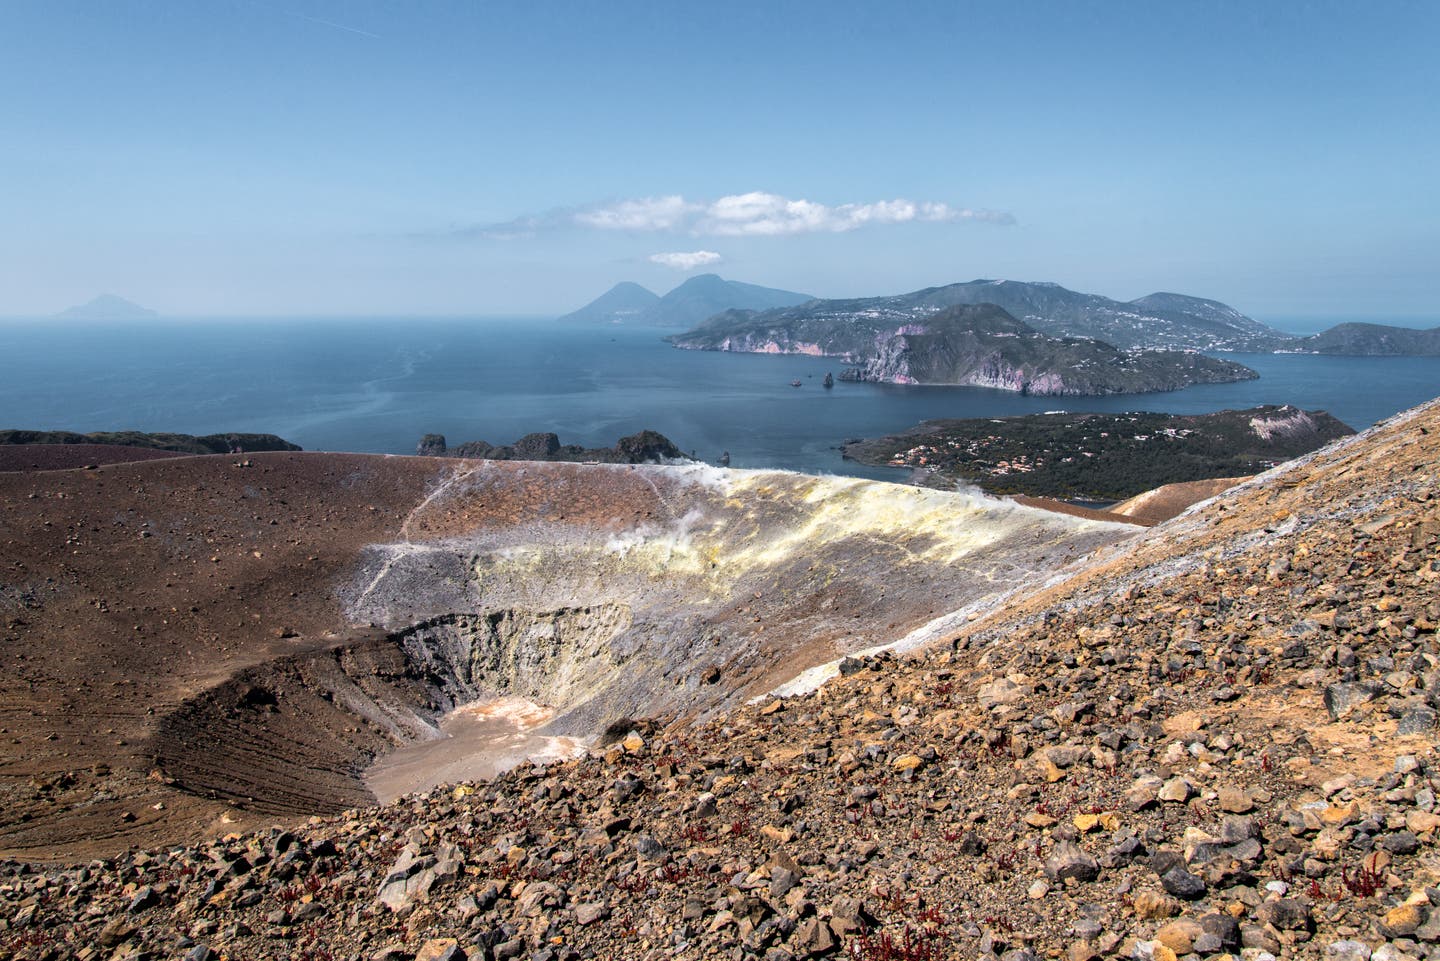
[107, 307]
[646, 447]
[1102, 457]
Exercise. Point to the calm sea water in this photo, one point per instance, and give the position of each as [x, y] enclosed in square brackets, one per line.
[379, 384]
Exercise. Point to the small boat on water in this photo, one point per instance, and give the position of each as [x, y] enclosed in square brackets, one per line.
[795, 383]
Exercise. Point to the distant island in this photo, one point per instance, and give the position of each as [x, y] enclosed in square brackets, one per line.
[1157, 321]
[646, 447]
[699, 297]
[181, 443]
[978, 345]
[1101, 456]
[1372, 340]
[107, 307]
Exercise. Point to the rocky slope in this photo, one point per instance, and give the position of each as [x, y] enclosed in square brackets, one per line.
[1216, 740]
[1159, 321]
[968, 346]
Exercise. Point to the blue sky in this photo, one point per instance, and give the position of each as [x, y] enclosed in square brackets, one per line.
[314, 157]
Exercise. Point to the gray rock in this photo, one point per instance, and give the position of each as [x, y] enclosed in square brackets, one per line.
[1417, 720]
[1286, 914]
[1182, 884]
[1401, 842]
[647, 847]
[1341, 699]
[1069, 860]
[1347, 951]
[1255, 936]
[143, 899]
[590, 913]
[1223, 927]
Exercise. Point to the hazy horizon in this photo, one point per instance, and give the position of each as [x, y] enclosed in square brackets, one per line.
[443, 158]
[1301, 323]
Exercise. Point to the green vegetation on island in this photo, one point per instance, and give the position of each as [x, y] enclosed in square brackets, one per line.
[970, 345]
[184, 443]
[1101, 456]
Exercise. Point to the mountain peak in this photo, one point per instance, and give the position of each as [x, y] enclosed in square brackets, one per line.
[107, 307]
[696, 298]
[625, 301]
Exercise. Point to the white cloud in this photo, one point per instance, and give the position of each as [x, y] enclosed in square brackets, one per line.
[753, 214]
[649, 213]
[686, 260]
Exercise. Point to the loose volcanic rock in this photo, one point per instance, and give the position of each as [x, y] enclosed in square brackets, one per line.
[759, 833]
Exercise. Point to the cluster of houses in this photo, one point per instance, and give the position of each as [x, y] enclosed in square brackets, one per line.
[927, 455]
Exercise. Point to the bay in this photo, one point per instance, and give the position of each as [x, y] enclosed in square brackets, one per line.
[378, 384]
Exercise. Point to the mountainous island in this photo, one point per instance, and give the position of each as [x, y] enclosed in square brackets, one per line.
[1101, 456]
[978, 345]
[1159, 321]
[646, 447]
[699, 297]
[107, 307]
[1371, 340]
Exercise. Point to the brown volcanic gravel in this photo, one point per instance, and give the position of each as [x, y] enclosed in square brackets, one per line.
[28, 457]
[127, 588]
[1216, 740]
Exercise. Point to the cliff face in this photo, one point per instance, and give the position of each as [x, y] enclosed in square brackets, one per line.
[986, 347]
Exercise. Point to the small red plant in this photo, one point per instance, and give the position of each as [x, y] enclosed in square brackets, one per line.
[908, 945]
[1363, 883]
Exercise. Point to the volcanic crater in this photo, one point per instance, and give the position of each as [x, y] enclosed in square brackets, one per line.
[204, 642]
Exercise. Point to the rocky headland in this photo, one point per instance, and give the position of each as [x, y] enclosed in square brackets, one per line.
[178, 443]
[645, 447]
[1212, 739]
[1101, 456]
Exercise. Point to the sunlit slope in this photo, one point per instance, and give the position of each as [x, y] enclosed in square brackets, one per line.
[758, 574]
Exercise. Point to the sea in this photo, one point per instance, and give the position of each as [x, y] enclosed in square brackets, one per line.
[379, 384]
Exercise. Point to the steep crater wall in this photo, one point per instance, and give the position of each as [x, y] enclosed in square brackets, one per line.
[293, 736]
[603, 593]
